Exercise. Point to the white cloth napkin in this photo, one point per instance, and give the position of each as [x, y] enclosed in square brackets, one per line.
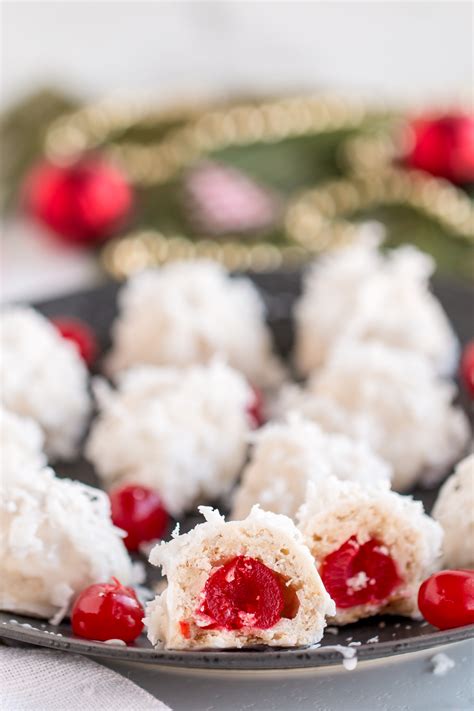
[40, 680]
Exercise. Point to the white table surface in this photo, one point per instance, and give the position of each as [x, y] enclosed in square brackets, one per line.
[402, 683]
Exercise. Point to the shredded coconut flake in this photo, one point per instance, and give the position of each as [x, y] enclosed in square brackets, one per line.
[358, 582]
[442, 664]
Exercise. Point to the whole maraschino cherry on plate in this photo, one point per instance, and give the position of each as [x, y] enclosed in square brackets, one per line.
[466, 370]
[140, 512]
[79, 333]
[107, 611]
[446, 599]
[255, 408]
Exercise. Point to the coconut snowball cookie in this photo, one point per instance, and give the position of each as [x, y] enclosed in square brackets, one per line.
[180, 432]
[454, 510]
[286, 456]
[21, 443]
[391, 399]
[357, 292]
[238, 584]
[56, 538]
[372, 546]
[44, 378]
[186, 313]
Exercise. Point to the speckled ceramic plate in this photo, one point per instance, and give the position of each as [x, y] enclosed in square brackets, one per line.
[370, 639]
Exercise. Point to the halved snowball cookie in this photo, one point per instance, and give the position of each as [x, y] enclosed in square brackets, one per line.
[391, 399]
[56, 538]
[357, 293]
[44, 378]
[372, 547]
[186, 313]
[286, 456]
[180, 432]
[238, 584]
[21, 444]
[454, 510]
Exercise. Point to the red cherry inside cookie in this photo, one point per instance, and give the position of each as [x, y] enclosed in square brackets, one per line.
[360, 574]
[140, 512]
[446, 599]
[107, 611]
[255, 409]
[80, 334]
[467, 368]
[243, 593]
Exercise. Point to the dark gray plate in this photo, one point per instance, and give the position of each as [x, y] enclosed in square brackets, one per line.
[378, 637]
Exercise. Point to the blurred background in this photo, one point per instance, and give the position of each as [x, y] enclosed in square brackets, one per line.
[92, 190]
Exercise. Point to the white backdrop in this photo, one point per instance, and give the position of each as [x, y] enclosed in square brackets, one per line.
[406, 51]
[398, 49]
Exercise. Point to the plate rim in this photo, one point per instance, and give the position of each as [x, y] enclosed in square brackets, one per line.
[232, 660]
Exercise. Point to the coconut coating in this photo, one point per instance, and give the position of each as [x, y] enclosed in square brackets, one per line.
[392, 399]
[359, 293]
[56, 538]
[287, 455]
[180, 432]
[186, 313]
[21, 443]
[454, 510]
[44, 378]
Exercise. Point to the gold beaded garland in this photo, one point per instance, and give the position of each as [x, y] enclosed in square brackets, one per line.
[154, 164]
[97, 124]
[138, 250]
[315, 220]
[316, 213]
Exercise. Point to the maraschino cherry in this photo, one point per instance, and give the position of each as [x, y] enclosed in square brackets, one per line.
[255, 408]
[80, 334]
[243, 593]
[467, 369]
[107, 611]
[446, 599]
[82, 203]
[360, 574]
[139, 511]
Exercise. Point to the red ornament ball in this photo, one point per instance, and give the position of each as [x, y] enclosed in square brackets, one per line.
[243, 593]
[359, 574]
[80, 334]
[444, 146]
[467, 368]
[82, 203]
[255, 408]
[140, 512]
[446, 599]
[107, 611]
